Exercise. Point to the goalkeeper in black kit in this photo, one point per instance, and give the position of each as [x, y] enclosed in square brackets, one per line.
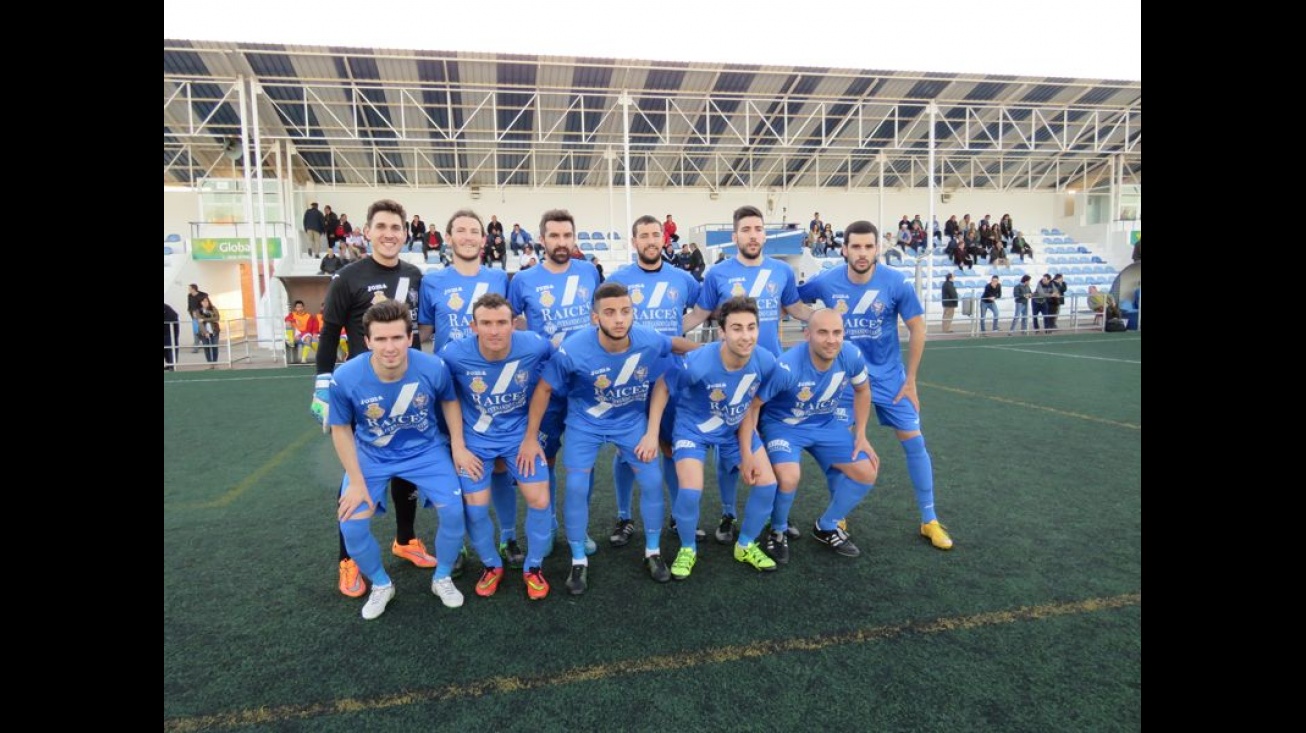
[353, 290]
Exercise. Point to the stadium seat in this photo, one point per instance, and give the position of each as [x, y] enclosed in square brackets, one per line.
[600, 246]
[582, 236]
[167, 250]
[615, 235]
[172, 238]
[586, 246]
[596, 235]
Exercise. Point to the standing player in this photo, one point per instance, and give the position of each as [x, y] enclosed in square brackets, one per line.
[383, 426]
[771, 283]
[660, 294]
[553, 300]
[714, 395]
[871, 299]
[798, 412]
[353, 290]
[446, 309]
[494, 371]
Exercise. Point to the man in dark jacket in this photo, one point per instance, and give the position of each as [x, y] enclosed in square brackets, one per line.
[949, 302]
[314, 229]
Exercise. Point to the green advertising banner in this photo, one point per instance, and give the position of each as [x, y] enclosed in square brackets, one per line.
[1135, 235]
[230, 248]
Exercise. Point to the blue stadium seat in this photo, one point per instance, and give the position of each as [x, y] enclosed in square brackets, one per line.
[167, 250]
[581, 236]
[586, 246]
[601, 246]
[172, 238]
[596, 235]
[616, 235]
[1056, 232]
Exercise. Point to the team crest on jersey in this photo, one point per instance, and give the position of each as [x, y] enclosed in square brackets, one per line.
[841, 306]
[641, 373]
[738, 290]
[637, 295]
[374, 411]
[420, 400]
[546, 298]
[478, 385]
[602, 382]
[716, 395]
[805, 393]
[455, 301]
[583, 294]
[877, 308]
[673, 295]
[520, 377]
[379, 297]
[772, 289]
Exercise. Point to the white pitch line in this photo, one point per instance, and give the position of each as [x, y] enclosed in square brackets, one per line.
[1065, 356]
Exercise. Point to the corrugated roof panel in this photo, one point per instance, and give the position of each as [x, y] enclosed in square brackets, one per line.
[987, 91]
[186, 63]
[927, 89]
[270, 64]
[1096, 95]
[664, 79]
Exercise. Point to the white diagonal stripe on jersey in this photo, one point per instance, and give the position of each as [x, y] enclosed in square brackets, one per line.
[792, 420]
[836, 380]
[401, 290]
[656, 299]
[710, 424]
[505, 377]
[404, 399]
[742, 389]
[483, 422]
[864, 304]
[599, 409]
[627, 369]
[569, 295]
[481, 289]
[759, 283]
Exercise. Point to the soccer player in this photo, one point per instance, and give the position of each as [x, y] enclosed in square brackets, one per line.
[446, 313]
[714, 395]
[871, 299]
[660, 295]
[606, 372]
[495, 370]
[383, 427]
[771, 283]
[553, 300]
[798, 412]
[354, 289]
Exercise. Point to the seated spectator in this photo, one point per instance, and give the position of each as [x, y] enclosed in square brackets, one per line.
[519, 240]
[904, 236]
[1099, 303]
[330, 263]
[998, 255]
[302, 331]
[962, 257]
[1020, 247]
[684, 258]
[526, 260]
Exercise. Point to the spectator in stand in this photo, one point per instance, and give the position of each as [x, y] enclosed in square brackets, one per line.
[416, 232]
[1045, 295]
[1020, 247]
[962, 257]
[332, 221]
[815, 226]
[684, 258]
[302, 330]
[984, 227]
[949, 302]
[1054, 305]
[330, 263]
[171, 337]
[576, 254]
[1098, 302]
[526, 260]
[974, 244]
[520, 240]
[904, 235]
[598, 267]
[951, 229]
[434, 243]
[669, 231]
[918, 237]
[342, 231]
[1005, 230]
[904, 222]
[210, 330]
[193, 298]
[497, 251]
[696, 263]
[938, 232]
[494, 228]
[1021, 293]
[314, 229]
[720, 257]
[998, 254]
[989, 302]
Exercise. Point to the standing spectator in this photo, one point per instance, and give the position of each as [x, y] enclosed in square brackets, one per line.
[314, 229]
[1054, 304]
[519, 240]
[493, 228]
[210, 329]
[1005, 229]
[1045, 294]
[330, 263]
[951, 229]
[696, 263]
[171, 337]
[668, 230]
[332, 221]
[989, 301]
[416, 232]
[1021, 293]
[949, 302]
[193, 298]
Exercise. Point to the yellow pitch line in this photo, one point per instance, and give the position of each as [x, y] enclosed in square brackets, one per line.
[260, 472]
[663, 663]
[1031, 405]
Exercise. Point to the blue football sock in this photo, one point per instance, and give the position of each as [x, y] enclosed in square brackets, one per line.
[576, 511]
[847, 495]
[728, 483]
[448, 538]
[553, 497]
[538, 535]
[651, 506]
[832, 475]
[921, 470]
[756, 511]
[363, 548]
[685, 511]
[780, 510]
[623, 478]
[671, 478]
[504, 497]
[480, 530]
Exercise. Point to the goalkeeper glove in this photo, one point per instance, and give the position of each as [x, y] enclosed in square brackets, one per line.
[321, 405]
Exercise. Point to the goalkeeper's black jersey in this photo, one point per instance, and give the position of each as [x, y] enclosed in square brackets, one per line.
[353, 290]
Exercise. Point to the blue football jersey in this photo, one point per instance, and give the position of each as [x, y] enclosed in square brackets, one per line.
[607, 392]
[392, 420]
[801, 395]
[660, 297]
[711, 400]
[554, 304]
[447, 299]
[495, 396]
[870, 314]
[771, 283]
